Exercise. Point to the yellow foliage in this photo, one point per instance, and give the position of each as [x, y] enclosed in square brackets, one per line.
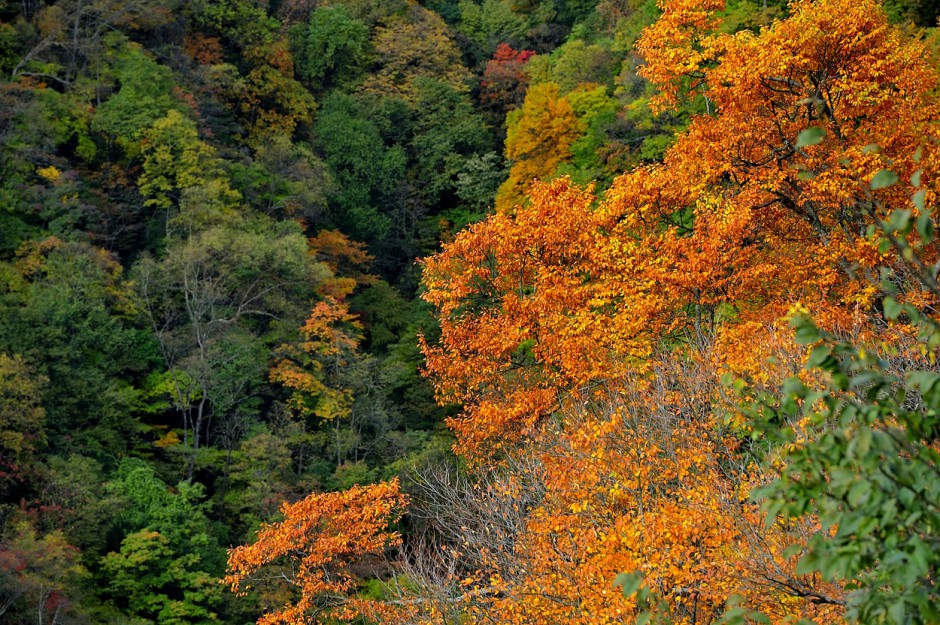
[539, 137]
[50, 173]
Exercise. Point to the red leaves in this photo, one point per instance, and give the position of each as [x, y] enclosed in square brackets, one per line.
[504, 79]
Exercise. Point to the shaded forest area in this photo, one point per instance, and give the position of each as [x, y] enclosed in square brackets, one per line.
[212, 215]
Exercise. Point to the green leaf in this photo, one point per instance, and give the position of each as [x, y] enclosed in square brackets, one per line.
[810, 136]
[899, 221]
[918, 199]
[915, 178]
[884, 178]
[859, 493]
[864, 440]
[896, 612]
[629, 583]
[923, 380]
[892, 308]
[925, 226]
[818, 356]
[806, 332]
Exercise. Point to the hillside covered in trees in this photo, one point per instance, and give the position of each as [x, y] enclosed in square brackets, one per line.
[469, 311]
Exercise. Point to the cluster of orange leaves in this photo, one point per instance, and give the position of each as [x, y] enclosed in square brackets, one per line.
[331, 333]
[312, 548]
[590, 332]
[594, 330]
[728, 232]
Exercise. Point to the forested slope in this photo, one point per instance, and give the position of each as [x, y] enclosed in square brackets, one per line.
[224, 302]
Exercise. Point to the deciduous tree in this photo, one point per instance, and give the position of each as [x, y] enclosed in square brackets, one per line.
[313, 549]
[681, 271]
[539, 137]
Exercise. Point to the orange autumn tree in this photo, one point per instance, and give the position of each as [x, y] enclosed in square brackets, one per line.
[313, 549]
[535, 348]
[591, 332]
[737, 224]
[330, 336]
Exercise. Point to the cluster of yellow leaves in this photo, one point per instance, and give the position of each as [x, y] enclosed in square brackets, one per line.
[412, 47]
[539, 137]
[273, 101]
[313, 548]
[50, 173]
[330, 337]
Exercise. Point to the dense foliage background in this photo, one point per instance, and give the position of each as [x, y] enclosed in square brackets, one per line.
[211, 214]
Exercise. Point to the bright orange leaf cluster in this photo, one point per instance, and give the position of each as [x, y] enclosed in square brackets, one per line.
[591, 332]
[313, 548]
[331, 335]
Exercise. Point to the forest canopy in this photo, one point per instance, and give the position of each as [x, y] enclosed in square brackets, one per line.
[476, 311]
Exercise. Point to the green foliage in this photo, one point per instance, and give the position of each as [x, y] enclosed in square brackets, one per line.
[285, 180]
[244, 22]
[351, 474]
[574, 63]
[76, 504]
[883, 179]
[860, 455]
[167, 569]
[490, 23]
[176, 160]
[10, 41]
[334, 47]
[374, 12]
[572, 11]
[36, 129]
[385, 315]
[22, 418]
[810, 136]
[477, 182]
[226, 291]
[629, 24]
[263, 473]
[367, 172]
[144, 97]
[447, 131]
[751, 14]
[66, 303]
[598, 112]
